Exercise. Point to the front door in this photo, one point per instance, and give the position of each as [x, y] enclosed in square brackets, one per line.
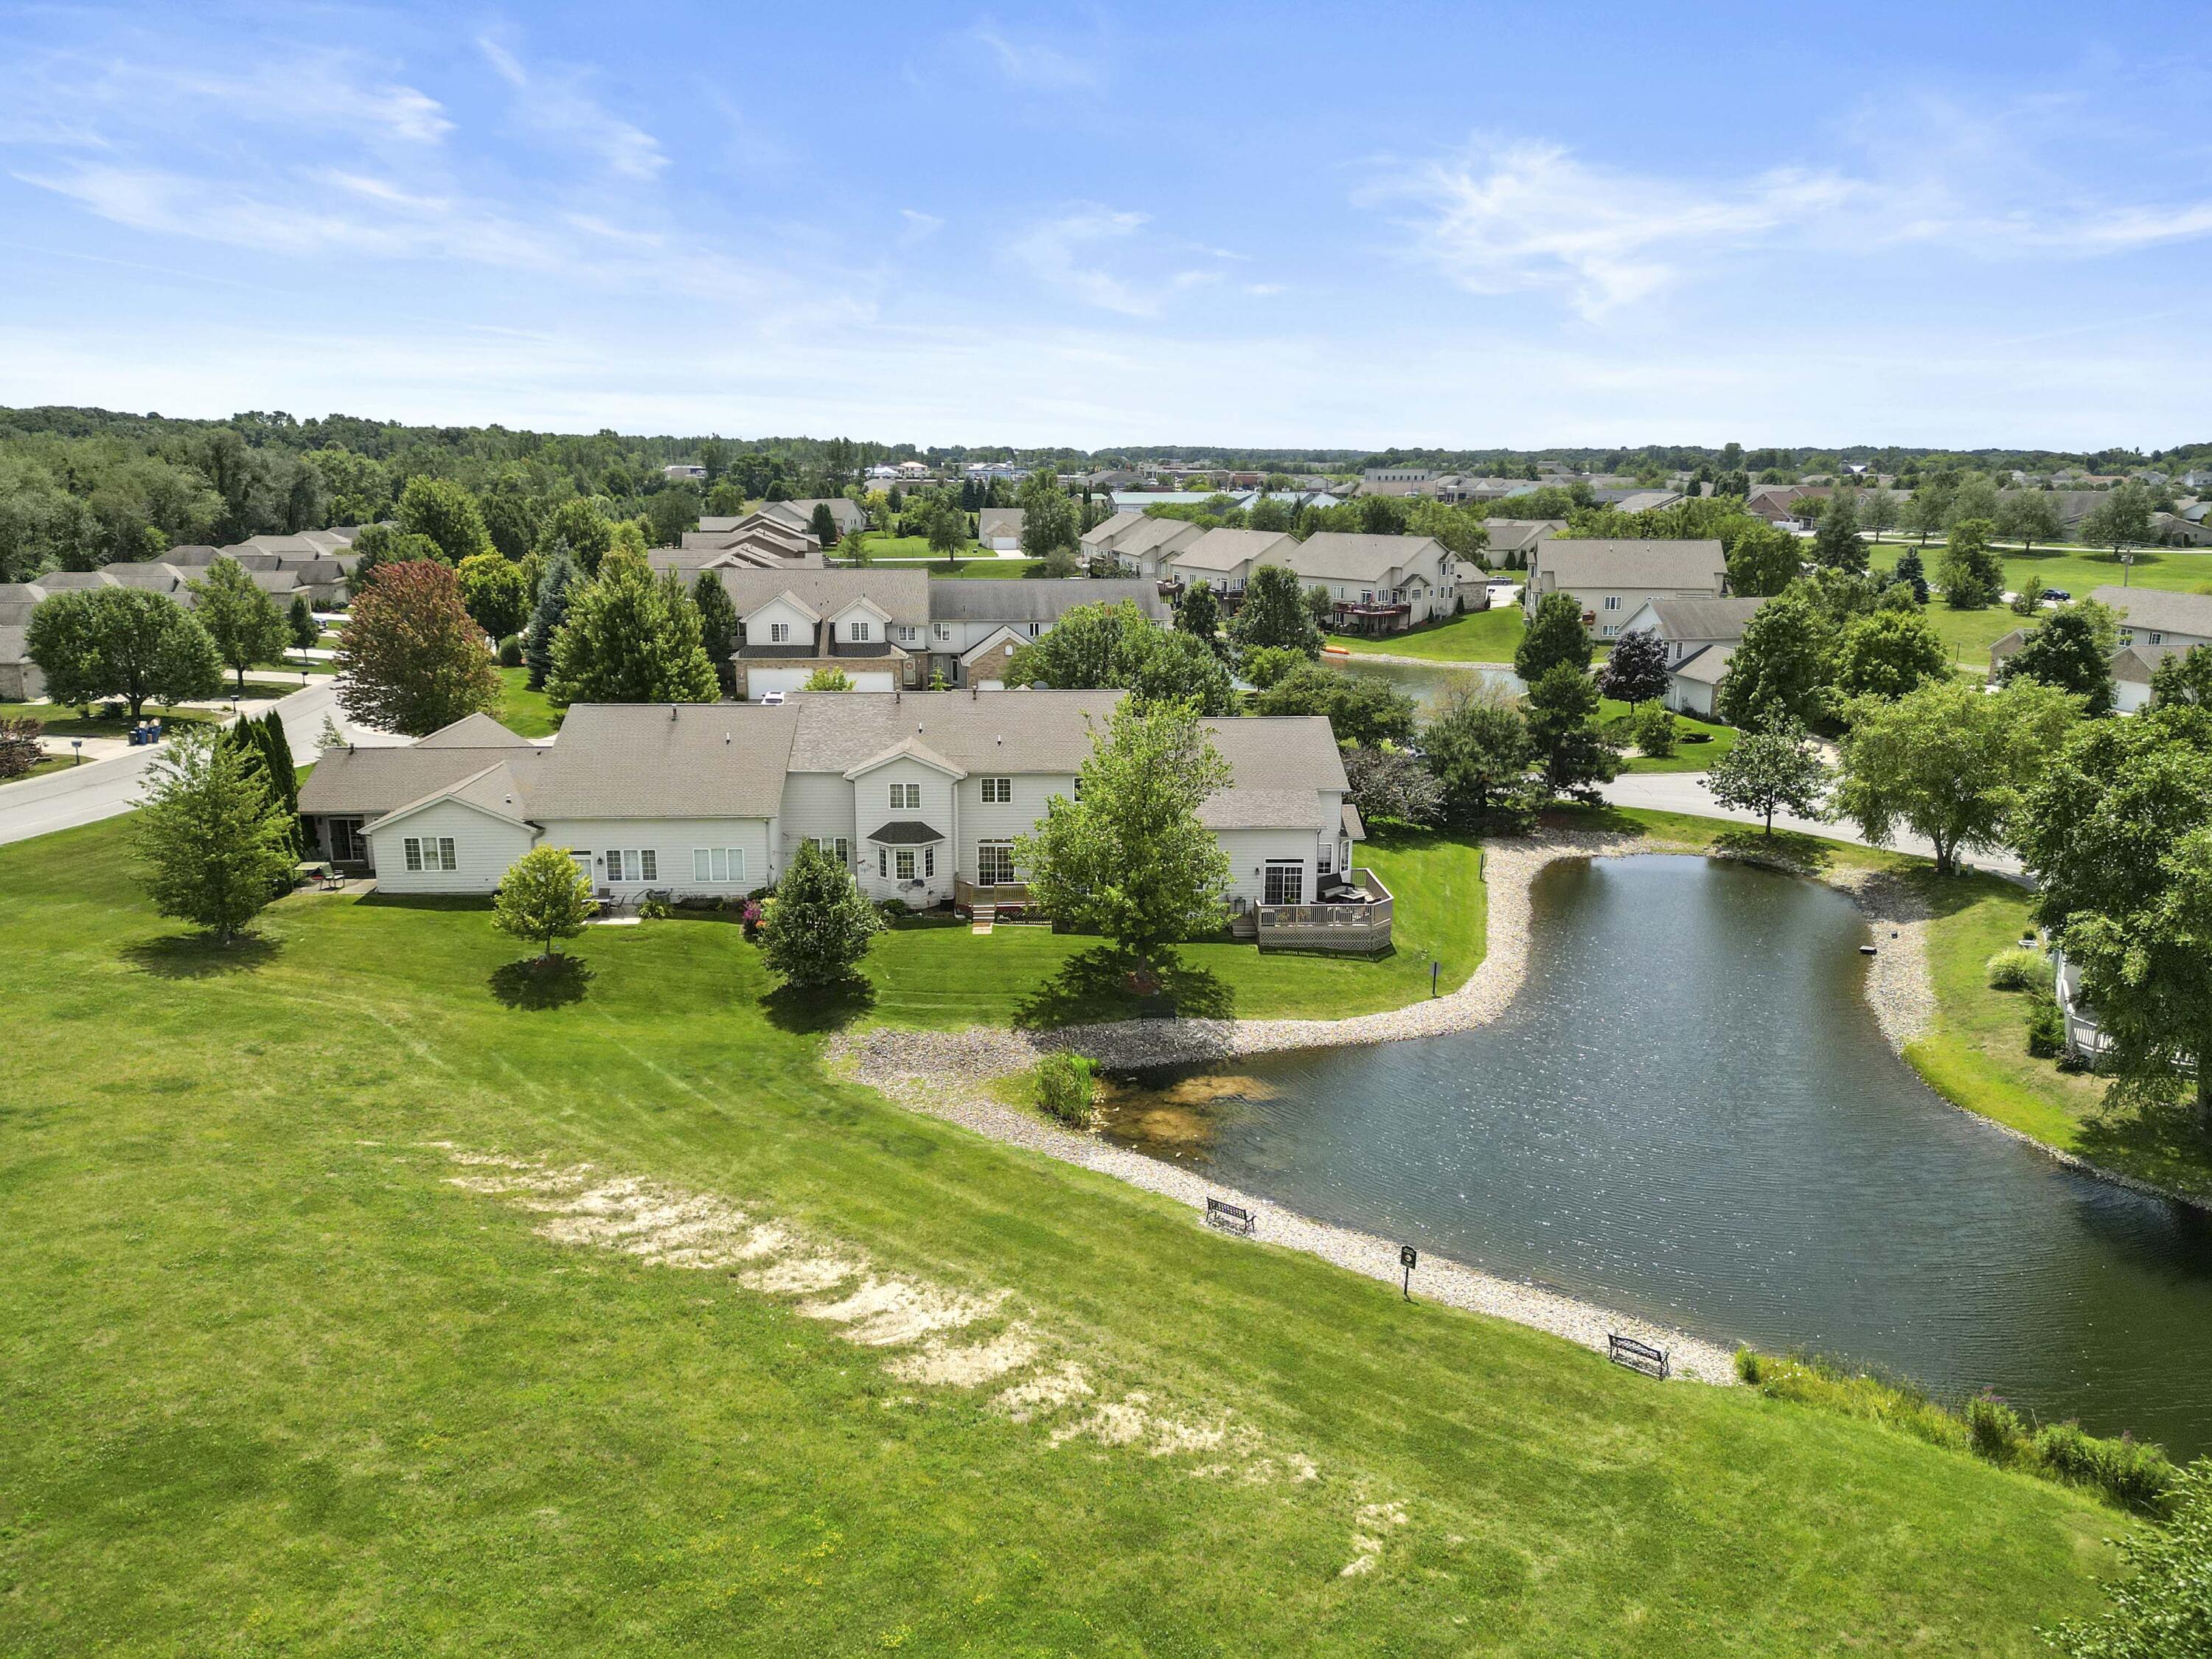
[1286, 883]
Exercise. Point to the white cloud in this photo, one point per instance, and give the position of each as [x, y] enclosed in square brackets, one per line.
[1034, 64]
[553, 103]
[919, 226]
[1060, 254]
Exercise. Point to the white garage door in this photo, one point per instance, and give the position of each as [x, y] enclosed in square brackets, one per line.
[758, 680]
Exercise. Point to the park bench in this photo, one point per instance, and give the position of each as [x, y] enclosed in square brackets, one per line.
[1637, 1356]
[1229, 1217]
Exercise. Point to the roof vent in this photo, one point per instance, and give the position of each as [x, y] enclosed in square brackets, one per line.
[726, 737]
[671, 711]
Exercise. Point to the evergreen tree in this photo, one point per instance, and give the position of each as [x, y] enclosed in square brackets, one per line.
[1972, 574]
[631, 637]
[1198, 613]
[1477, 743]
[1562, 713]
[553, 588]
[1555, 636]
[217, 846]
[1912, 572]
[824, 524]
[718, 626]
[818, 928]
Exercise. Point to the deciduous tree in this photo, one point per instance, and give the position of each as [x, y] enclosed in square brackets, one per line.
[1971, 571]
[410, 658]
[1391, 783]
[1886, 653]
[1780, 666]
[578, 527]
[2072, 651]
[631, 637]
[244, 621]
[2028, 516]
[300, 627]
[1763, 560]
[817, 932]
[1198, 613]
[2163, 1607]
[1274, 613]
[448, 515]
[496, 592]
[1949, 762]
[1361, 709]
[1637, 671]
[1128, 855]
[126, 642]
[1836, 543]
[1772, 769]
[216, 847]
[544, 895]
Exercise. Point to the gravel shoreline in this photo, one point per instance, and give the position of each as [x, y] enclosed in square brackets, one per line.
[939, 1072]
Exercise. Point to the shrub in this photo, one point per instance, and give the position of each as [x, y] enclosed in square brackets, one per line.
[2047, 1029]
[1064, 1086]
[653, 909]
[2018, 968]
[19, 746]
[1993, 1428]
[1654, 731]
[895, 907]
[510, 651]
[2131, 1473]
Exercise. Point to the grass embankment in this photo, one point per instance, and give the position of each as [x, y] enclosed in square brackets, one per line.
[525, 713]
[939, 974]
[1490, 636]
[273, 1384]
[1969, 633]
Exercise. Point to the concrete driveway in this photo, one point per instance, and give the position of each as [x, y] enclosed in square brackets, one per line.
[100, 789]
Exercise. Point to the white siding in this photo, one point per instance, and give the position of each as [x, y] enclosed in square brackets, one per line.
[671, 842]
[861, 624]
[759, 630]
[759, 680]
[982, 820]
[817, 806]
[1250, 851]
[483, 847]
[871, 795]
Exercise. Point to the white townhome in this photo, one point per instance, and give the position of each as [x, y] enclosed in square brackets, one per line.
[2154, 624]
[1144, 548]
[1376, 583]
[1226, 558]
[1614, 580]
[919, 794]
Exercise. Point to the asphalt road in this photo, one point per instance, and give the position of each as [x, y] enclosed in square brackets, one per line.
[100, 789]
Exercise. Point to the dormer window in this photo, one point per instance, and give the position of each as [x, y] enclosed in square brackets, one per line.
[779, 633]
[859, 632]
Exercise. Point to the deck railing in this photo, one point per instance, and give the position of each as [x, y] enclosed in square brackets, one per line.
[1334, 924]
[1009, 894]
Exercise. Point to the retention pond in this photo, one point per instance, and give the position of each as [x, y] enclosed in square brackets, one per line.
[1689, 1112]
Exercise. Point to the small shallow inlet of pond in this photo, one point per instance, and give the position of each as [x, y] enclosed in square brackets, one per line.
[1690, 1114]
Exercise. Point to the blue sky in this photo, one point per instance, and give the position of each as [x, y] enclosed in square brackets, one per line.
[1958, 224]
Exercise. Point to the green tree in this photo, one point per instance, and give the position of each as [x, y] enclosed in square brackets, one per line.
[1198, 613]
[1971, 571]
[244, 621]
[2073, 651]
[1048, 518]
[381, 544]
[1878, 511]
[1392, 784]
[1949, 761]
[1128, 856]
[854, 548]
[1555, 636]
[816, 931]
[496, 593]
[2121, 520]
[217, 846]
[1636, 670]
[1116, 647]
[1763, 560]
[1973, 497]
[580, 530]
[947, 527]
[828, 679]
[1477, 743]
[123, 642]
[1773, 769]
[671, 512]
[410, 660]
[1361, 709]
[1780, 666]
[1886, 653]
[2162, 1609]
[718, 626]
[301, 630]
[1274, 613]
[555, 589]
[448, 515]
[1836, 543]
[823, 525]
[543, 897]
[1562, 713]
[2028, 516]
[2182, 677]
[1911, 572]
[1927, 509]
[631, 637]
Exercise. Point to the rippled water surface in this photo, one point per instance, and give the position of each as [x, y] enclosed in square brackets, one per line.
[1690, 1113]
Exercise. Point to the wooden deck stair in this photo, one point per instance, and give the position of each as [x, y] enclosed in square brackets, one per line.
[981, 918]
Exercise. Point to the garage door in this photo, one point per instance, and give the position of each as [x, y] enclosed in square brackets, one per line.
[758, 680]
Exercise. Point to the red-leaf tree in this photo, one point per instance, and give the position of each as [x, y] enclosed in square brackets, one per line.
[410, 660]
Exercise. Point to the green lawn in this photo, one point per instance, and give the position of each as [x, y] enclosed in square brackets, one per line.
[274, 1383]
[525, 713]
[1969, 633]
[912, 547]
[1688, 757]
[65, 722]
[1489, 635]
[936, 973]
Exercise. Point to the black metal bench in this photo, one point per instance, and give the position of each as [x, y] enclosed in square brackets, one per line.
[1637, 1356]
[1229, 1217]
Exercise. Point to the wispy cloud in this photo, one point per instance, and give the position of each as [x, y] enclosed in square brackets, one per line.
[1062, 254]
[1033, 63]
[555, 104]
[917, 226]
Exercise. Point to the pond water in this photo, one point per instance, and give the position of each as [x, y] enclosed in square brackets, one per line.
[1425, 684]
[1690, 1113]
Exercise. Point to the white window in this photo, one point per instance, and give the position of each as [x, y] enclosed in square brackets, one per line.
[429, 852]
[1609, 630]
[943, 632]
[1078, 789]
[929, 860]
[2158, 639]
[994, 863]
[445, 859]
[882, 862]
[860, 631]
[1286, 883]
[633, 863]
[906, 798]
[1327, 860]
[1036, 629]
[1613, 601]
[413, 849]
[906, 864]
[908, 636]
[779, 633]
[837, 846]
[999, 789]
[718, 864]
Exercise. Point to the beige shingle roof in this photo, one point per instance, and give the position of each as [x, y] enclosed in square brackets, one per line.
[474, 732]
[1574, 564]
[1040, 598]
[1703, 619]
[2152, 608]
[1225, 551]
[1332, 556]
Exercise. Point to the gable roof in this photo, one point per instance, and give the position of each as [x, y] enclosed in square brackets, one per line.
[1704, 667]
[1106, 531]
[1653, 564]
[1646, 501]
[1511, 535]
[904, 595]
[493, 790]
[14, 647]
[477, 731]
[1154, 534]
[1340, 556]
[912, 749]
[1700, 619]
[784, 596]
[1040, 598]
[1224, 551]
[999, 522]
[2156, 609]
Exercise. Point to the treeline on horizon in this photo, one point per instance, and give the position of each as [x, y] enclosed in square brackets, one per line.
[80, 488]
